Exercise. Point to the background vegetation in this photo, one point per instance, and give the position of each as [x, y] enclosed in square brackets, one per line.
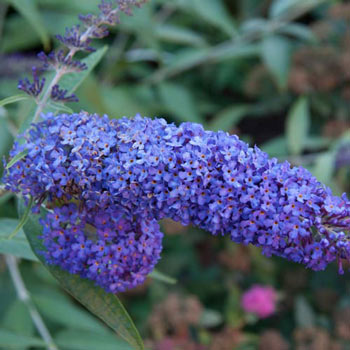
[274, 72]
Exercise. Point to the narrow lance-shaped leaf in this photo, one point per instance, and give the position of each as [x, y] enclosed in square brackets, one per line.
[59, 107]
[19, 245]
[23, 220]
[104, 305]
[228, 118]
[13, 99]
[11, 340]
[297, 125]
[157, 275]
[72, 81]
[276, 54]
[16, 158]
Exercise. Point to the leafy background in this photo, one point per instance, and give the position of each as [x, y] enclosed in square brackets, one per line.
[274, 72]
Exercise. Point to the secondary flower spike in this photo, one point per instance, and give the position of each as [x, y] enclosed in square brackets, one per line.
[148, 169]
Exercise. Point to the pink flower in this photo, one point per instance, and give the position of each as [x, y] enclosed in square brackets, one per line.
[260, 300]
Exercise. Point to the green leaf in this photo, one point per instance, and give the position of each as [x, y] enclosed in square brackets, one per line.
[280, 7]
[179, 35]
[254, 25]
[276, 147]
[14, 40]
[17, 318]
[299, 31]
[214, 12]
[16, 158]
[59, 107]
[324, 167]
[72, 81]
[18, 246]
[13, 99]
[276, 54]
[11, 340]
[56, 310]
[304, 315]
[157, 275]
[73, 340]
[232, 51]
[297, 125]
[179, 102]
[228, 118]
[29, 10]
[188, 58]
[23, 220]
[182, 60]
[5, 197]
[104, 305]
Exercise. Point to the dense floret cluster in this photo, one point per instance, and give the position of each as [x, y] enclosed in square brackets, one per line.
[115, 252]
[146, 169]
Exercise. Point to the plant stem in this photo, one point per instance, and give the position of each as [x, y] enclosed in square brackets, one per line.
[24, 296]
[61, 71]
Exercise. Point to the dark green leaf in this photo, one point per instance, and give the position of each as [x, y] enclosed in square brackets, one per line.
[28, 9]
[14, 40]
[13, 99]
[18, 246]
[297, 125]
[5, 197]
[104, 305]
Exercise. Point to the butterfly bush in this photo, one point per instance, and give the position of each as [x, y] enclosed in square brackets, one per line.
[110, 181]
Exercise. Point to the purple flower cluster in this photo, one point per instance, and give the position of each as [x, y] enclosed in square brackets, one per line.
[34, 88]
[146, 169]
[78, 38]
[115, 252]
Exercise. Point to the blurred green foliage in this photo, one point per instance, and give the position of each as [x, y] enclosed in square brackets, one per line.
[275, 73]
